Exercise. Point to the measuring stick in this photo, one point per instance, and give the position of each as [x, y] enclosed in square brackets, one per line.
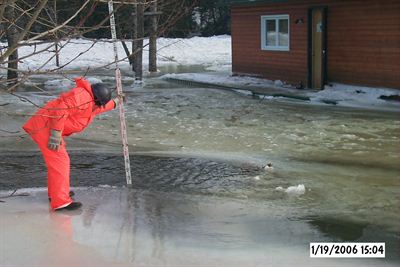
[119, 91]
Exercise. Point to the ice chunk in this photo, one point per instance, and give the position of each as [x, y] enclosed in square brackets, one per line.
[278, 83]
[269, 167]
[93, 80]
[58, 84]
[293, 190]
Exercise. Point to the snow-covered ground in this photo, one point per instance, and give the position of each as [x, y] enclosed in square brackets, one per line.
[335, 93]
[214, 54]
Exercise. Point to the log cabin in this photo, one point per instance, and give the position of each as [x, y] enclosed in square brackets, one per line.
[309, 43]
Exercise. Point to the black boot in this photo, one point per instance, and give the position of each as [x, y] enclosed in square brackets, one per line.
[72, 206]
[71, 194]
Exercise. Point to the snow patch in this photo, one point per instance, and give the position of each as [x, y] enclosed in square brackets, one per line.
[335, 94]
[355, 96]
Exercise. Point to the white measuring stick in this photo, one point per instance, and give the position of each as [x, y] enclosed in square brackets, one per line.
[119, 91]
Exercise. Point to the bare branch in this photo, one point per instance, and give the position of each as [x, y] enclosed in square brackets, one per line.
[21, 36]
[60, 26]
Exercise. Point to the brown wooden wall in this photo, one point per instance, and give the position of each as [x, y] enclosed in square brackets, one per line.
[363, 42]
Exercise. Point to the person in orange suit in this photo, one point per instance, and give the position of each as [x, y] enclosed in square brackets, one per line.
[70, 113]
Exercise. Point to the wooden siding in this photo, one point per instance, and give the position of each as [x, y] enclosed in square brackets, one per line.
[363, 42]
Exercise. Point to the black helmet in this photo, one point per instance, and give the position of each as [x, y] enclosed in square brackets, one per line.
[102, 94]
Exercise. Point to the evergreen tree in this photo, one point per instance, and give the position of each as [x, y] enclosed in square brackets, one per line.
[214, 17]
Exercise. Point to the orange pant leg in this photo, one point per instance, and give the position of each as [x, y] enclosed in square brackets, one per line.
[58, 170]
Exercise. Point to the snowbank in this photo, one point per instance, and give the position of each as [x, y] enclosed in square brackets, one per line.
[359, 96]
[85, 53]
[334, 94]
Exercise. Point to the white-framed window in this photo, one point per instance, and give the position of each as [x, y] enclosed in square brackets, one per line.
[275, 32]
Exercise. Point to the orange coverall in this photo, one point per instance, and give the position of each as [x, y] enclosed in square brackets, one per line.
[70, 113]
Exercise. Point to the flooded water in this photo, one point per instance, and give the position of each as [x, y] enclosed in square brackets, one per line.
[167, 174]
[208, 142]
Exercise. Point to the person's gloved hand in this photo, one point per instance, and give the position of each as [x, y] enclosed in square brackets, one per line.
[118, 99]
[54, 140]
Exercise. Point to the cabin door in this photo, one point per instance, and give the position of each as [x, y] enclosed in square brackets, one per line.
[317, 50]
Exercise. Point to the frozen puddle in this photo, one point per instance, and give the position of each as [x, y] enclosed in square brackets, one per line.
[120, 227]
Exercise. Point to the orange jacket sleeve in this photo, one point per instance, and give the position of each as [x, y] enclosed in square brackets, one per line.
[109, 106]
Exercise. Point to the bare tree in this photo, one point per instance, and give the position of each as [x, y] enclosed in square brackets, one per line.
[153, 37]
[172, 11]
[20, 18]
[138, 42]
[36, 24]
[16, 27]
[12, 39]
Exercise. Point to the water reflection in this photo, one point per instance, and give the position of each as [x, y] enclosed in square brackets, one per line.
[154, 210]
[158, 228]
[340, 230]
[125, 227]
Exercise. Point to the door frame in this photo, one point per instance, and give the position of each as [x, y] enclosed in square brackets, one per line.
[324, 57]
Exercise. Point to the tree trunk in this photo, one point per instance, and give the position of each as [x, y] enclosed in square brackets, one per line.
[134, 39]
[12, 39]
[56, 35]
[128, 54]
[153, 38]
[139, 42]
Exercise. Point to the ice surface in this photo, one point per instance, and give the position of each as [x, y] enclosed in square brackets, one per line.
[122, 227]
